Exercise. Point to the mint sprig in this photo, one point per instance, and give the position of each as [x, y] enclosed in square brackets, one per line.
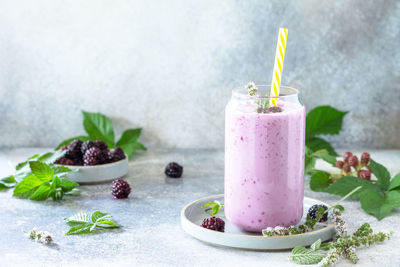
[83, 223]
[378, 197]
[43, 182]
[322, 120]
[213, 206]
[100, 127]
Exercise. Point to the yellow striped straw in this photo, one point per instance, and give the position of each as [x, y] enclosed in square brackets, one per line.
[278, 66]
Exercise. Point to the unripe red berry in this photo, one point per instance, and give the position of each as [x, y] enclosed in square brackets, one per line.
[339, 164]
[64, 148]
[365, 174]
[353, 161]
[346, 168]
[365, 157]
[346, 156]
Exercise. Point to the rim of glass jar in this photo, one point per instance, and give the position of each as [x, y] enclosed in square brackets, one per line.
[241, 92]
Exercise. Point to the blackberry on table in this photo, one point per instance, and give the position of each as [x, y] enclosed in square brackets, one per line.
[116, 154]
[313, 210]
[173, 170]
[92, 156]
[214, 223]
[120, 189]
[65, 161]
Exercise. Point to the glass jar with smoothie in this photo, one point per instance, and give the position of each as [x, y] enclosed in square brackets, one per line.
[264, 159]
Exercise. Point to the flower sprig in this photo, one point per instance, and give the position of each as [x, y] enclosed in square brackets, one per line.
[40, 236]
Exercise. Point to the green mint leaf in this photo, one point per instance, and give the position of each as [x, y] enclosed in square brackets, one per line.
[99, 127]
[107, 224]
[316, 245]
[319, 181]
[301, 255]
[68, 141]
[50, 157]
[374, 203]
[42, 193]
[316, 143]
[346, 184]
[60, 170]
[324, 155]
[324, 120]
[41, 170]
[395, 183]
[67, 185]
[309, 161]
[381, 173]
[7, 182]
[79, 229]
[338, 207]
[27, 186]
[79, 218]
[20, 175]
[393, 198]
[24, 163]
[128, 141]
[97, 215]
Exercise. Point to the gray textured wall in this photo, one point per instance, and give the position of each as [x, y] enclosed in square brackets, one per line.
[169, 66]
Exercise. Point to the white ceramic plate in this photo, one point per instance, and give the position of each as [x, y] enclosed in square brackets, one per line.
[99, 173]
[192, 216]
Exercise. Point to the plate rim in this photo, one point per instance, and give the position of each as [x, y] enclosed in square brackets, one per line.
[183, 217]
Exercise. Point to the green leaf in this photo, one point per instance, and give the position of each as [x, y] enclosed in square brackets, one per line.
[319, 181]
[7, 182]
[68, 141]
[99, 127]
[381, 173]
[316, 245]
[301, 255]
[346, 184]
[324, 155]
[338, 207]
[317, 143]
[107, 224]
[50, 157]
[128, 141]
[24, 163]
[60, 170]
[309, 161]
[97, 215]
[41, 170]
[324, 120]
[395, 183]
[376, 204]
[79, 218]
[27, 186]
[42, 193]
[67, 185]
[79, 229]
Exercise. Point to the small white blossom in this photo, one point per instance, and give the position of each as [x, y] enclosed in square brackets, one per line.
[40, 236]
[331, 258]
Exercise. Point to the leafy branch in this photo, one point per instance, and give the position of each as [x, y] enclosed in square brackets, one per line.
[83, 223]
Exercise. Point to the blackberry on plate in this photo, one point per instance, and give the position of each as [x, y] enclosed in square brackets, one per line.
[120, 189]
[74, 150]
[214, 223]
[100, 144]
[93, 156]
[173, 170]
[65, 161]
[87, 145]
[313, 210]
[116, 154]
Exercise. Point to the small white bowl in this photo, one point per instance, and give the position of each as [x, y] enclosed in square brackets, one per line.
[98, 173]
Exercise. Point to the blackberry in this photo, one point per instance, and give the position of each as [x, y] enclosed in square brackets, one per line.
[346, 156]
[365, 174]
[74, 150]
[213, 223]
[173, 170]
[86, 146]
[65, 161]
[115, 154]
[365, 157]
[100, 144]
[353, 161]
[92, 156]
[346, 168]
[313, 210]
[120, 189]
[339, 164]
[274, 110]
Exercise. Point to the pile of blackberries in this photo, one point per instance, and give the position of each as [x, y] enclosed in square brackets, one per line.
[89, 153]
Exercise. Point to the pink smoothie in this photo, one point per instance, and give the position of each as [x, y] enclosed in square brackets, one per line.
[264, 165]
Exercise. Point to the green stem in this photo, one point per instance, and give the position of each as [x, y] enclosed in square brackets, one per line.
[343, 198]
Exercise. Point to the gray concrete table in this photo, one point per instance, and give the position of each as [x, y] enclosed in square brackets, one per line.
[151, 233]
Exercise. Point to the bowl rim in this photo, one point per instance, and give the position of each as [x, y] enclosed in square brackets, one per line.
[95, 166]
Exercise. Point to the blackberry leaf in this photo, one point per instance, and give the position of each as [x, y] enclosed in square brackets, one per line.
[99, 127]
